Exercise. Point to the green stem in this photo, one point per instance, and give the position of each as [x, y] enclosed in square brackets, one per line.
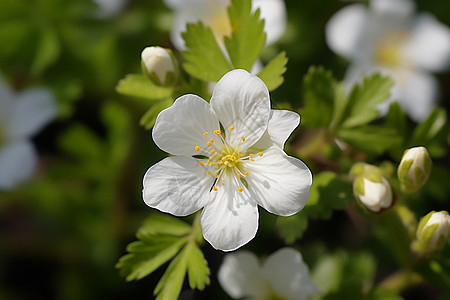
[401, 280]
[196, 233]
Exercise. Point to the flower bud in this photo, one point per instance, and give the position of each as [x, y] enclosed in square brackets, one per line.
[432, 232]
[370, 188]
[414, 169]
[159, 65]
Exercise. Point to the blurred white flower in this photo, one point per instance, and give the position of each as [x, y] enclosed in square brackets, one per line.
[108, 8]
[283, 275]
[228, 159]
[389, 38]
[214, 14]
[21, 116]
[432, 232]
[414, 169]
[159, 65]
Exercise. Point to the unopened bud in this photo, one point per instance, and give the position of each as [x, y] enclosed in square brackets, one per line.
[159, 65]
[432, 232]
[414, 169]
[370, 188]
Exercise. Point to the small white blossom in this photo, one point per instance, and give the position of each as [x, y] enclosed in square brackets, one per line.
[159, 65]
[213, 13]
[21, 116]
[283, 275]
[414, 169]
[387, 37]
[433, 232]
[228, 159]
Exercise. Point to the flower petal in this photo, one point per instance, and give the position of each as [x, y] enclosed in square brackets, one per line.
[274, 14]
[417, 94]
[17, 162]
[242, 100]
[240, 276]
[230, 219]
[288, 275]
[396, 7]
[177, 185]
[429, 46]
[33, 109]
[181, 127]
[281, 124]
[278, 182]
[345, 29]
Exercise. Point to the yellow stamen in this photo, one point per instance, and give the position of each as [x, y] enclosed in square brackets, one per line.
[251, 155]
[212, 151]
[223, 183]
[216, 175]
[197, 148]
[231, 127]
[208, 172]
[238, 175]
[211, 164]
[209, 144]
[215, 188]
[202, 163]
[210, 159]
[243, 138]
[240, 190]
[260, 154]
[246, 174]
[217, 132]
[206, 133]
[211, 140]
[240, 155]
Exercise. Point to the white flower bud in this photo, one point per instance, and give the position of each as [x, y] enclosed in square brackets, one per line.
[433, 232]
[373, 190]
[414, 169]
[159, 65]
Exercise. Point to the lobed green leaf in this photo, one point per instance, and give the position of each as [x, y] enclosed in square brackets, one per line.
[272, 74]
[138, 85]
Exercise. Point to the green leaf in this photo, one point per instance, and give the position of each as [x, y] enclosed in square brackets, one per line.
[204, 58]
[370, 139]
[432, 133]
[328, 192]
[247, 34]
[292, 228]
[137, 85]
[318, 94]
[149, 118]
[47, 50]
[363, 100]
[198, 270]
[163, 224]
[396, 120]
[272, 74]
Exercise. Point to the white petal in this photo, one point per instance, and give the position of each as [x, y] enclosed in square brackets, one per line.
[181, 127]
[240, 276]
[281, 124]
[33, 109]
[345, 29]
[397, 7]
[274, 14]
[230, 219]
[177, 185]
[417, 94]
[429, 46]
[278, 182]
[17, 163]
[288, 275]
[242, 100]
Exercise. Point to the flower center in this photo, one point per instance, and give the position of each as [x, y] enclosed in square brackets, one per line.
[225, 161]
[388, 51]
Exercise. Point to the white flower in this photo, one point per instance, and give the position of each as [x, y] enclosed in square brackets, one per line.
[432, 232]
[283, 275]
[389, 38]
[214, 14]
[21, 116]
[414, 169]
[159, 65]
[231, 171]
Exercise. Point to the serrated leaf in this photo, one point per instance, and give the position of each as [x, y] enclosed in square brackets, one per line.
[370, 139]
[318, 94]
[247, 34]
[204, 58]
[272, 74]
[138, 85]
[149, 118]
[292, 228]
[163, 224]
[198, 271]
[363, 100]
[328, 192]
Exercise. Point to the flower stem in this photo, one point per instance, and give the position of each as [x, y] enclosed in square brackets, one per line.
[401, 280]
[196, 233]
